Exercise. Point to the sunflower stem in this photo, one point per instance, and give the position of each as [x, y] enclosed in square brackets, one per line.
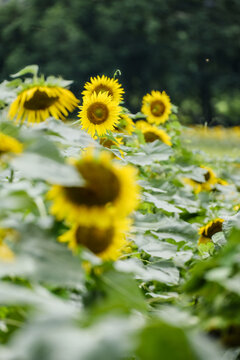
[41, 207]
[11, 177]
[117, 73]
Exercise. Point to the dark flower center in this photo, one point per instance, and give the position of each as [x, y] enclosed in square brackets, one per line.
[102, 186]
[206, 175]
[157, 108]
[108, 143]
[103, 88]
[95, 239]
[40, 101]
[97, 113]
[213, 229]
[150, 136]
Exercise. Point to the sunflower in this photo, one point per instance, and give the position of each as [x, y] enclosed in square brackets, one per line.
[206, 232]
[157, 107]
[152, 133]
[99, 113]
[210, 180]
[5, 253]
[106, 85]
[37, 103]
[108, 241]
[125, 125]
[8, 145]
[109, 143]
[110, 189]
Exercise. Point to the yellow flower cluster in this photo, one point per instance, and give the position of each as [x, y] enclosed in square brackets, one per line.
[97, 211]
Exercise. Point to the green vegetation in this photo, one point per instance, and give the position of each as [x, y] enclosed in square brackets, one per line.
[187, 48]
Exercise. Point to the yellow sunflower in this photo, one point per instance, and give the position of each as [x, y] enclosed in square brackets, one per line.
[37, 103]
[108, 242]
[152, 133]
[206, 232]
[106, 85]
[207, 185]
[125, 125]
[157, 107]
[8, 145]
[110, 189]
[5, 253]
[99, 113]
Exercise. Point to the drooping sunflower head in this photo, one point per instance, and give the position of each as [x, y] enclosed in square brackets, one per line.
[206, 232]
[152, 133]
[9, 145]
[157, 107]
[125, 125]
[38, 102]
[210, 180]
[99, 113]
[106, 85]
[109, 188]
[108, 241]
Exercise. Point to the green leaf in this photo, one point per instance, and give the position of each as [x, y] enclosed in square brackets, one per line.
[35, 166]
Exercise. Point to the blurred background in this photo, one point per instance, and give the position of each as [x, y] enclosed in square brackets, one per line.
[188, 48]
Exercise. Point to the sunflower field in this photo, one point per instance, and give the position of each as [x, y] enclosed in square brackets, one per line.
[118, 238]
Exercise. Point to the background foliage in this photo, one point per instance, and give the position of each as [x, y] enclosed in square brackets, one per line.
[189, 48]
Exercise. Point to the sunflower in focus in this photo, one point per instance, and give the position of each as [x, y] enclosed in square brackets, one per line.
[99, 113]
[109, 189]
[210, 180]
[6, 254]
[157, 107]
[206, 232]
[39, 102]
[152, 133]
[105, 85]
[9, 145]
[125, 125]
[108, 241]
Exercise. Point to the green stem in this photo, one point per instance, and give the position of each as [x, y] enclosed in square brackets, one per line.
[11, 177]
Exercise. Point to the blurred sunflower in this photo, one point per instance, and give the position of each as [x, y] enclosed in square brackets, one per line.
[108, 142]
[108, 241]
[6, 254]
[236, 207]
[210, 180]
[106, 85]
[38, 102]
[152, 133]
[125, 125]
[8, 145]
[206, 232]
[109, 189]
[157, 107]
[99, 113]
